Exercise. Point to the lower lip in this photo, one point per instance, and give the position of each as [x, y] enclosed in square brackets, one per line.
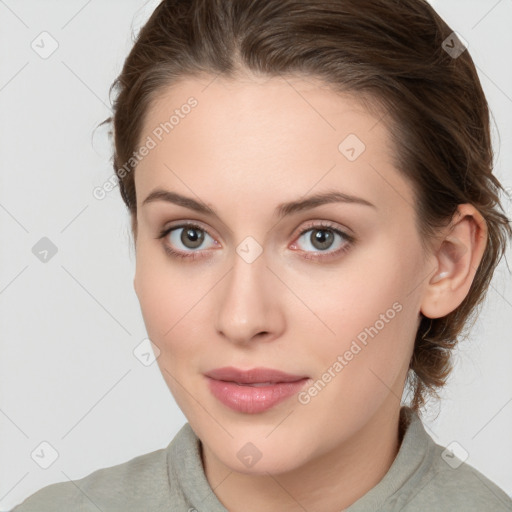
[253, 399]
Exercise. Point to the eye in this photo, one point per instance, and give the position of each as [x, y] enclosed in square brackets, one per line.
[188, 237]
[322, 238]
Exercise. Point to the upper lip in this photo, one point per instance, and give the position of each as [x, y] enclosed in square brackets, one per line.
[254, 375]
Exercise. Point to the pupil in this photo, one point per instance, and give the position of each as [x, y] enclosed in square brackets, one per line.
[190, 233]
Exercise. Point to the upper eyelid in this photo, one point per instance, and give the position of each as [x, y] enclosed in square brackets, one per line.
[185, 224]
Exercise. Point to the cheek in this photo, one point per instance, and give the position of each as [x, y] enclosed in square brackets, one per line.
[154, 303]
[167, 309]
[371, 320]
[169, 303]
[160, 296]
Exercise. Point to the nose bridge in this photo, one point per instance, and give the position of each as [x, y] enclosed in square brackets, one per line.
[247, 305]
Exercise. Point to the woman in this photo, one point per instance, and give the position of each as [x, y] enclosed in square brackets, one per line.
[315, 220]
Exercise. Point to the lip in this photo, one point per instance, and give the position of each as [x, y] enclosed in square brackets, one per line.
[254, 375]
[255, 390]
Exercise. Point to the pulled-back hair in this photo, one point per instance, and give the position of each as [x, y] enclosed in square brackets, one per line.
[392, 53]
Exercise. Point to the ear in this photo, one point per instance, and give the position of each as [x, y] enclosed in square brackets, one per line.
[456, 259]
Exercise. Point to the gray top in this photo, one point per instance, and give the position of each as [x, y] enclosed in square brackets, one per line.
[423, 477]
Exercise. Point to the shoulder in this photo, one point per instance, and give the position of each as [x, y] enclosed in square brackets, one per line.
[133, 485]
[450, 484]
[428, 476]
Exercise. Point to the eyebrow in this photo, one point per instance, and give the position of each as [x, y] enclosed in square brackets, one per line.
[282, 210]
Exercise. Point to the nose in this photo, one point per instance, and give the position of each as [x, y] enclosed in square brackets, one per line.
[247, 305]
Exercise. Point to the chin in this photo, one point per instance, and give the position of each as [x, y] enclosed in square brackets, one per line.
[274, 463]
[256, 453]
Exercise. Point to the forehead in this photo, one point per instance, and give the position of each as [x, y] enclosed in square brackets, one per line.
[260, 138]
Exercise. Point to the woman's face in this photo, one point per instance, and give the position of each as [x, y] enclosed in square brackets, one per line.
[329, 293]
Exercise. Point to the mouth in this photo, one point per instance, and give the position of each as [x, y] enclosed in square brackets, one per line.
[253, 376]
[253, 391]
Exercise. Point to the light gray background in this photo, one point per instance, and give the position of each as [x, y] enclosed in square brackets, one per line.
[69, 326]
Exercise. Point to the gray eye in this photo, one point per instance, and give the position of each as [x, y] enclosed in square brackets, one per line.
[321, 239]
[187, 237]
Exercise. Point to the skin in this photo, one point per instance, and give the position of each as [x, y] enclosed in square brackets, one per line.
[250, 144]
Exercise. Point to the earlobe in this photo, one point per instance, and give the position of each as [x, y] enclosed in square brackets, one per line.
[457, 260]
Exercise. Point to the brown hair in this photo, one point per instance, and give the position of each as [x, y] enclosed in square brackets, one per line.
[387, 51]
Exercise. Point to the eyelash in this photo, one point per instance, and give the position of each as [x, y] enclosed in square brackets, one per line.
[322, 226]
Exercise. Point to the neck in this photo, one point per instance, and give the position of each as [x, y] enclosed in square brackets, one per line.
[331, 482]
